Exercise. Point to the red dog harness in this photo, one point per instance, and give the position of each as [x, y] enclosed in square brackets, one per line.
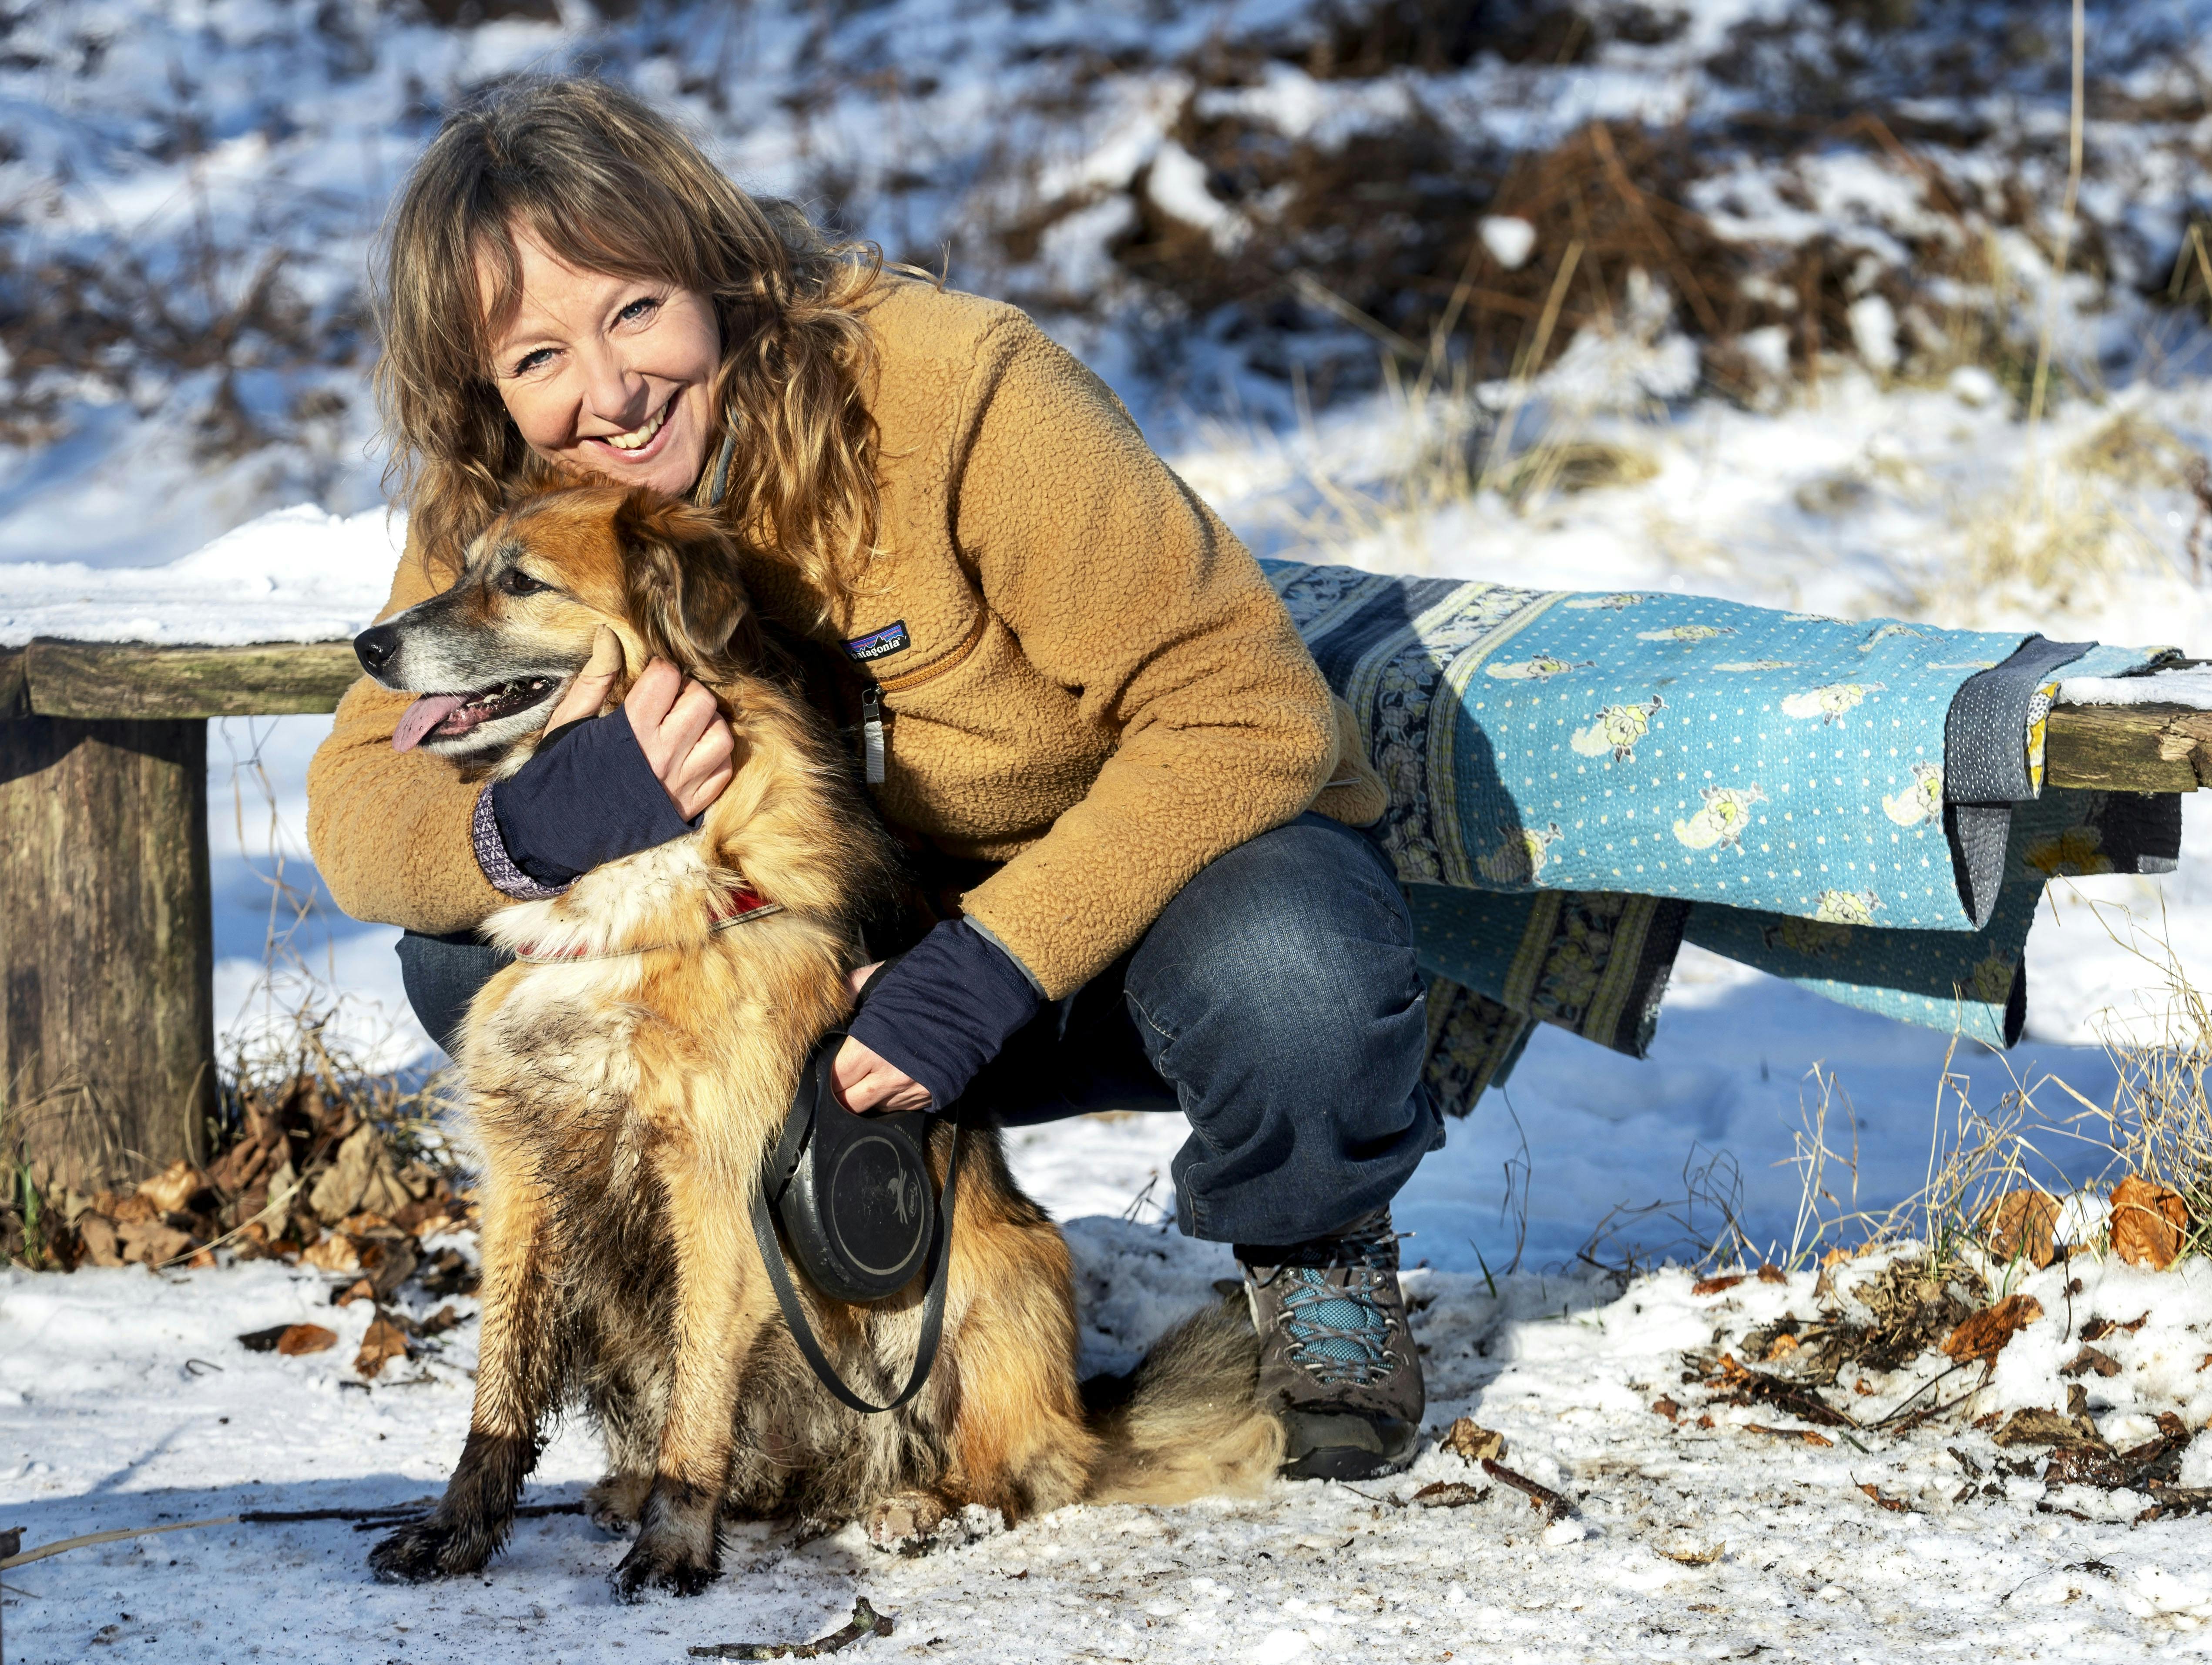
[735, 906]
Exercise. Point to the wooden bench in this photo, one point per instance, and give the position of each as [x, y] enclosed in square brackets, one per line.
[106, 934]
[107, 1035]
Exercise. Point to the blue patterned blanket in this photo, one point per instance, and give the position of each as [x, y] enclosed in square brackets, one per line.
[1578, 782]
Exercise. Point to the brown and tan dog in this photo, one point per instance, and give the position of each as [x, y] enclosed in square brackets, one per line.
[627, 1077]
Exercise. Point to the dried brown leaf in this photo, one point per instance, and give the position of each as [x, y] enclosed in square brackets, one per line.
[172, 1187]
[1983, 1335]
[130, 1210]
[385, 1342]
[95, 1233]
[2089, 1359]
[2154, 1463]
[1716, 1285]
[2149, 1222]
[2022, 1225]
[1469, 1440]
[332, 1252]
[1449, 1494]
[2035, 1427]
[298, 1339]
[1805, 1434]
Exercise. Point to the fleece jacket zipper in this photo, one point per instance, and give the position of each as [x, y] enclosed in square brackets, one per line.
[873, 750]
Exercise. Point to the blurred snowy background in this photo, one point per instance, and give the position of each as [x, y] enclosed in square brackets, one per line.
[1796, 301]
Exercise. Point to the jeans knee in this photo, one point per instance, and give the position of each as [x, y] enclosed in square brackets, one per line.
[1292, 954]
[1298, 918]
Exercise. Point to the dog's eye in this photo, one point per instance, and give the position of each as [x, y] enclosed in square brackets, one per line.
[515, 582]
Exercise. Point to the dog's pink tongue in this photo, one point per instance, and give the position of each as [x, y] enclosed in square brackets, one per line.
[425, 715]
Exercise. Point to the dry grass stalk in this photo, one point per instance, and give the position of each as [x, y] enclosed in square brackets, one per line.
[2007, 1187]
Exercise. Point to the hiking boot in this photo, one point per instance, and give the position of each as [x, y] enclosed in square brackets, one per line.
[1337, 1362]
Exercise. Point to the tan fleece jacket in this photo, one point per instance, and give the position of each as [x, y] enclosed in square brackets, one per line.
[1097, 687]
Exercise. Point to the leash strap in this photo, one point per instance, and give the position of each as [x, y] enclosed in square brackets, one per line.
[785, 1162]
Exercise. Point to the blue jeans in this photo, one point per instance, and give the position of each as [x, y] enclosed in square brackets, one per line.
[1275, 1002]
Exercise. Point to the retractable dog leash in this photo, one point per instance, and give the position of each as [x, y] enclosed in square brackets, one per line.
[854, 1196]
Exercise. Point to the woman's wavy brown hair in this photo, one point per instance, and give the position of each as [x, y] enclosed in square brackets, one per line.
[606, 183]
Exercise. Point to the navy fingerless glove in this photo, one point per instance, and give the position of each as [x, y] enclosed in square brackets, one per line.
[587, 797]
[945, 1009]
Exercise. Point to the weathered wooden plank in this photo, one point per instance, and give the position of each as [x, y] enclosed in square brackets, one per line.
[14, 688]
[107, 947]
[94, 680]
[2129, 748]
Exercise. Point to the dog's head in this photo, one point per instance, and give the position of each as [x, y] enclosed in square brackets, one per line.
[491, 656]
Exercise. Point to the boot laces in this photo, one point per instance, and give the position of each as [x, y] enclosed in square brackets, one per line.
[1339, 1332]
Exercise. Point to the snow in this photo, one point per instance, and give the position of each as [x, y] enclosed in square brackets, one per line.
[1509, 239]
[294, 575]
[125, 1401]
[1176, 185]
[2190, 687]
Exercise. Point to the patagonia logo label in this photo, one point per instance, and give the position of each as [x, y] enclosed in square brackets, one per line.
[879, 644]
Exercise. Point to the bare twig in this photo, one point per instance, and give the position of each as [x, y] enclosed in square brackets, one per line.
[529, 1512]
[1806, 1435]
[1541, 1498]
[370, 1519]
[116, 1536]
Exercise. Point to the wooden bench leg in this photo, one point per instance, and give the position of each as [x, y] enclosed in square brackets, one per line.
[107, 945]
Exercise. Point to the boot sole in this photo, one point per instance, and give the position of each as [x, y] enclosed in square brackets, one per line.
[1345, 1446]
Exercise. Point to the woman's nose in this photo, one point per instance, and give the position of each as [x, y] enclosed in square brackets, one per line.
[613, 392]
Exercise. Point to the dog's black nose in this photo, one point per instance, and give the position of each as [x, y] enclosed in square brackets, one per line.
[375, 648]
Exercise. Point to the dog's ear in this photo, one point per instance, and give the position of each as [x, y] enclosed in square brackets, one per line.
[685, 597]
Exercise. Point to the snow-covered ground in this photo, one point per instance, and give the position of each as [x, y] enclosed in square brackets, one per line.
[125, 1402]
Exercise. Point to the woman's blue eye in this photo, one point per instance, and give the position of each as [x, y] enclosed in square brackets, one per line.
[532, 360]
[637, 309]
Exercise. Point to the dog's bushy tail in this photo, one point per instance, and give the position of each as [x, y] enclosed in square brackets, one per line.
[1187, 1422]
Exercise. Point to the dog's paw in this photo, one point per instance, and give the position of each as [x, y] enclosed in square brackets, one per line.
[672, 1561]
[905, 1523]
[617, 1502]
[429, 1549]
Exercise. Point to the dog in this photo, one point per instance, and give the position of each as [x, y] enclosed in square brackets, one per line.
[628, 1075]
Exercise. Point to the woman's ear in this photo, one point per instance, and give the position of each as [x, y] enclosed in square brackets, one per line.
[680, 573]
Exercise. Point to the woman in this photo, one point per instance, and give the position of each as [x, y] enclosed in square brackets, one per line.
[1085, 712]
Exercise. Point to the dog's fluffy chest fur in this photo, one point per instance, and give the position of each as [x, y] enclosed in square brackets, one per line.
[661, 1036]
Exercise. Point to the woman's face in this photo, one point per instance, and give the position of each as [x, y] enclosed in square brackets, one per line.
[608, 374]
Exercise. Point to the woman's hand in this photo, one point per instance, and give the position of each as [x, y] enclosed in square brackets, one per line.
[679, 727]
[865, 1081]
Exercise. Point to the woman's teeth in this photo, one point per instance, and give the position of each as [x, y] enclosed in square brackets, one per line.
[641, 436]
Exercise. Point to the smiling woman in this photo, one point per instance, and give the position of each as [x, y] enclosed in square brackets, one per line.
[1127, 800]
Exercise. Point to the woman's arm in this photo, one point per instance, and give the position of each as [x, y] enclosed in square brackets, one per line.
[389, 831]
[1125, 590]
[395, 834]
[1123, 586]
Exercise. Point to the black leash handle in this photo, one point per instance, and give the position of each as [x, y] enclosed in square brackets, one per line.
[814, 1080]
